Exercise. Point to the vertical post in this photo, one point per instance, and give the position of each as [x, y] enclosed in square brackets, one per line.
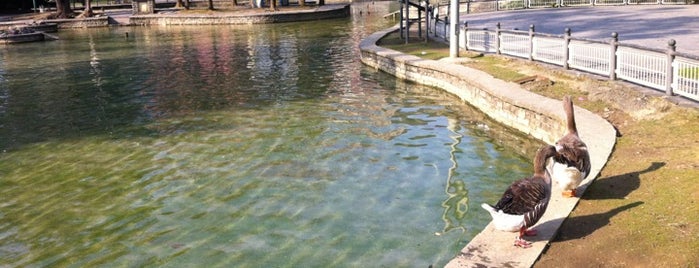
[446, 27]
[497, 38]
[531, 42]
[497, 5]
[419, 20]
[407, 21]
[566, 48]
[466, 35]
[400, 19]
[468, 6]
[454, 29]
[435, 15]
[614, 44]
[428, 17]
[669, 71]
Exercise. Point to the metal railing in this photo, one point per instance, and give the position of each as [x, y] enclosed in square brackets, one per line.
[497, 5]
[661, 69]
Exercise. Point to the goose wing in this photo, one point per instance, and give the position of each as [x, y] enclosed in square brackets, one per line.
[573, 153]
[522, 197]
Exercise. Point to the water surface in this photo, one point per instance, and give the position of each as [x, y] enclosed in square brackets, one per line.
[237, 146]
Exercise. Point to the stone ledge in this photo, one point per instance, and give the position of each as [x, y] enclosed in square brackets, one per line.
[540, 117]
[320, 13]
[80, 23]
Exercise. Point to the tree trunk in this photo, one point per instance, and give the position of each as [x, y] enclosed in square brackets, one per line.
[272, 5]
[179, 4]
[211, 4]
[63, 10]
[302, 3]
[235, 3]
[186, 4]
[87, 12]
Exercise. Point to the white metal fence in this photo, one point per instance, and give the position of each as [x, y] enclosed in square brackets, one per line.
[660, 69]
[495, 5]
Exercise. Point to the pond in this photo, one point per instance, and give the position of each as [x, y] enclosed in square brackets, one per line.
[237, 146]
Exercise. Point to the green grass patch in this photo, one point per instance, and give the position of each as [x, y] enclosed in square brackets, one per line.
[427, 50]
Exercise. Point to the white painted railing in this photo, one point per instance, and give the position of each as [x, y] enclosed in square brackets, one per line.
[497, 5]
[642, 67]
[588, 56]
[664, 70]
[549, 50]
[685, 77]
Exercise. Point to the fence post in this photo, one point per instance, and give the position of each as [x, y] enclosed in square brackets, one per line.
[466, 35]
[612, 55]
[400, 19]
[497, 38]
[669, 71]
[566, 48]
[446, 28]
[531, 42]
[428, 13]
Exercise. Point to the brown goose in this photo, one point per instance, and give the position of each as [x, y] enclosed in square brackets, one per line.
[525, 201]
[572, 164]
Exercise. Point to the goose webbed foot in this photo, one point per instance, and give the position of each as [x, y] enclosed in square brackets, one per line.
[529, 232]
[521, 243]
[569, 193]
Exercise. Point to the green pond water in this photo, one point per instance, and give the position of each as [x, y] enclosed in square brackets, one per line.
[237, 146]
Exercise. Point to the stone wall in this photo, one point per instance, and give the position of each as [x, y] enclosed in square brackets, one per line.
[326, 12]
[505, 102]
[81, 23]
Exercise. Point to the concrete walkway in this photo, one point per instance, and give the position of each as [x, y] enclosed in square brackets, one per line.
[646, 25]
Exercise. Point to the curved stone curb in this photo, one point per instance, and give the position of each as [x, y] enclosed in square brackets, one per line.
[541, 117]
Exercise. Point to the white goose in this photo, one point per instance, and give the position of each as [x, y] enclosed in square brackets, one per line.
[572, 164]
[525, 201]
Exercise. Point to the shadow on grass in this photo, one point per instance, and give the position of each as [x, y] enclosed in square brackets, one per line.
[618, 187]
[588, 224]
[615, 187]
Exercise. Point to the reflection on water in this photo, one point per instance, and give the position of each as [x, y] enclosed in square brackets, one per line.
[245, 146]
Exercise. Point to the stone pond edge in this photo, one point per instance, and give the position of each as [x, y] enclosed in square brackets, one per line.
[508, 103]
[332, 11]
